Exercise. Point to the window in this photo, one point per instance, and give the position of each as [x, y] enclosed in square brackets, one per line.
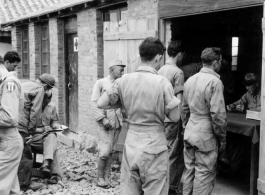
[25, 53]
[235, 41]
[120, 14]
[45, 49]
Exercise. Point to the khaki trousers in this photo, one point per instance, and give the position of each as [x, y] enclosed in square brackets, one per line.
[107, 140]
[48, 147]
[176, 160]
[145, 165]
[11, 147]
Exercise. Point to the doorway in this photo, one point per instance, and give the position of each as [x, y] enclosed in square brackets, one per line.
[71, 70]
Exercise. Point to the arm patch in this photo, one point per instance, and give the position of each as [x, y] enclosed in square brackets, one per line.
[10, 86]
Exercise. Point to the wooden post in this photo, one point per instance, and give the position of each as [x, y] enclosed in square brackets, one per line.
[261, 180]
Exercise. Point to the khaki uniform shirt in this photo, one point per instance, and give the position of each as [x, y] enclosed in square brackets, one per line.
[11, 100]
[175, 77]
[203, 105]
[251, 101]
[113, 115]
[49, 117]
[144, 96]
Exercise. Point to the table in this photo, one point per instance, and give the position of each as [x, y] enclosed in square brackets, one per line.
[237, 123]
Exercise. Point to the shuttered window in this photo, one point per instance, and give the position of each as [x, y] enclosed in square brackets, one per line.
[25, 53]
[45, 49]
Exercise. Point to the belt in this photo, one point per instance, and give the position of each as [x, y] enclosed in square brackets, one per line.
[147, 128]
[200, 116]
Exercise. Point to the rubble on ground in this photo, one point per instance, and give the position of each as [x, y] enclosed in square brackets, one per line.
[79, 175]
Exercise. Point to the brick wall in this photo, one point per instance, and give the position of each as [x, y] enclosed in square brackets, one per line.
[16, 35]
[34, 50]
[56, 31]
[141, 9]
[90, 61]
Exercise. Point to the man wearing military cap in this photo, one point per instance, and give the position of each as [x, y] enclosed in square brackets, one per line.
[251, 99]
[233, 156]
[33, 94]
[109, 122]
[11, 144]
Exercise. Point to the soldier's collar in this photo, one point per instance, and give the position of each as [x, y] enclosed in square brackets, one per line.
[210, 71]
[110, 78]
[146, 69]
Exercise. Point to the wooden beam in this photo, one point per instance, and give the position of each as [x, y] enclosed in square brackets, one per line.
[261, 183]
[129, 35]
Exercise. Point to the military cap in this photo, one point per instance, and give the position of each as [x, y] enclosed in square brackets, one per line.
[116, 63]
[250, 79]
[47, 79]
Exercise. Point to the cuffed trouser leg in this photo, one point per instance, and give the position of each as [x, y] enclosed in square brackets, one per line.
[11, 147]
[176, 159]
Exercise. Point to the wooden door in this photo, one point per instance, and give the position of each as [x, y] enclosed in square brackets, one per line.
[121, 41]
[72, 81]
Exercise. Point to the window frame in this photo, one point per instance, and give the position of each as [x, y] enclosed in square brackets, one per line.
[106, 13]
[47, 52]
[25, 75]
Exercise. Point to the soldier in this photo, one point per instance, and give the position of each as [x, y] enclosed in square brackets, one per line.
[11, 144]
[47, 144]
[204, 121]
[174, 132]
[146, 98]
[109, 122]
[34, 92]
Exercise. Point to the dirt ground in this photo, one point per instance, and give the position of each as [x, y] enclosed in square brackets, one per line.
[79, 171]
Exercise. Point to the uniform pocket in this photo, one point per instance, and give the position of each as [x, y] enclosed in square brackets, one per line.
[3, 143]
[207, 142]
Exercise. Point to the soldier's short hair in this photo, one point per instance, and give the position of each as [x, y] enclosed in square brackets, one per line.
[12, 56]
[1, 60]
[175, 47]
[210, 54]
[150, 47]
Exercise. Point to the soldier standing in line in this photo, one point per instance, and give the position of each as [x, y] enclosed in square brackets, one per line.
[204, 121]
[174, 131]
[11, 144]
[109, 122]
[146, 98]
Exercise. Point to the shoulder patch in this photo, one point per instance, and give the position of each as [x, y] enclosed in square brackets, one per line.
[10, 86]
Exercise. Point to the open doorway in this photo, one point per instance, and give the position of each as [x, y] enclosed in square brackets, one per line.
[238, 33]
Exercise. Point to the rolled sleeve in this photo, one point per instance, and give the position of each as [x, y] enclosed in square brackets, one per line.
[173, 103]
[113, 93]
[179, 82]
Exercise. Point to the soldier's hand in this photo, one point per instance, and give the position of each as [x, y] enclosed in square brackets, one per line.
[40, 130]
[228, 108]
[106, 123]
[240, 108]
[222, 146]
[28, 140]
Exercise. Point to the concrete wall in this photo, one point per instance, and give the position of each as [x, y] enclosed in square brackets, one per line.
[4, 47]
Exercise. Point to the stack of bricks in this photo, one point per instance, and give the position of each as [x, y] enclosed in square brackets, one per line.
[142, 9]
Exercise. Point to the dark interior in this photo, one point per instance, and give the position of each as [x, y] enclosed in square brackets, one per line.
[216, 30]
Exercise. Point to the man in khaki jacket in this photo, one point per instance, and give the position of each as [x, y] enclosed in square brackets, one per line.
[204, 120]
[146, 98]
[11, 144]
[174, 132]
[109, 122]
